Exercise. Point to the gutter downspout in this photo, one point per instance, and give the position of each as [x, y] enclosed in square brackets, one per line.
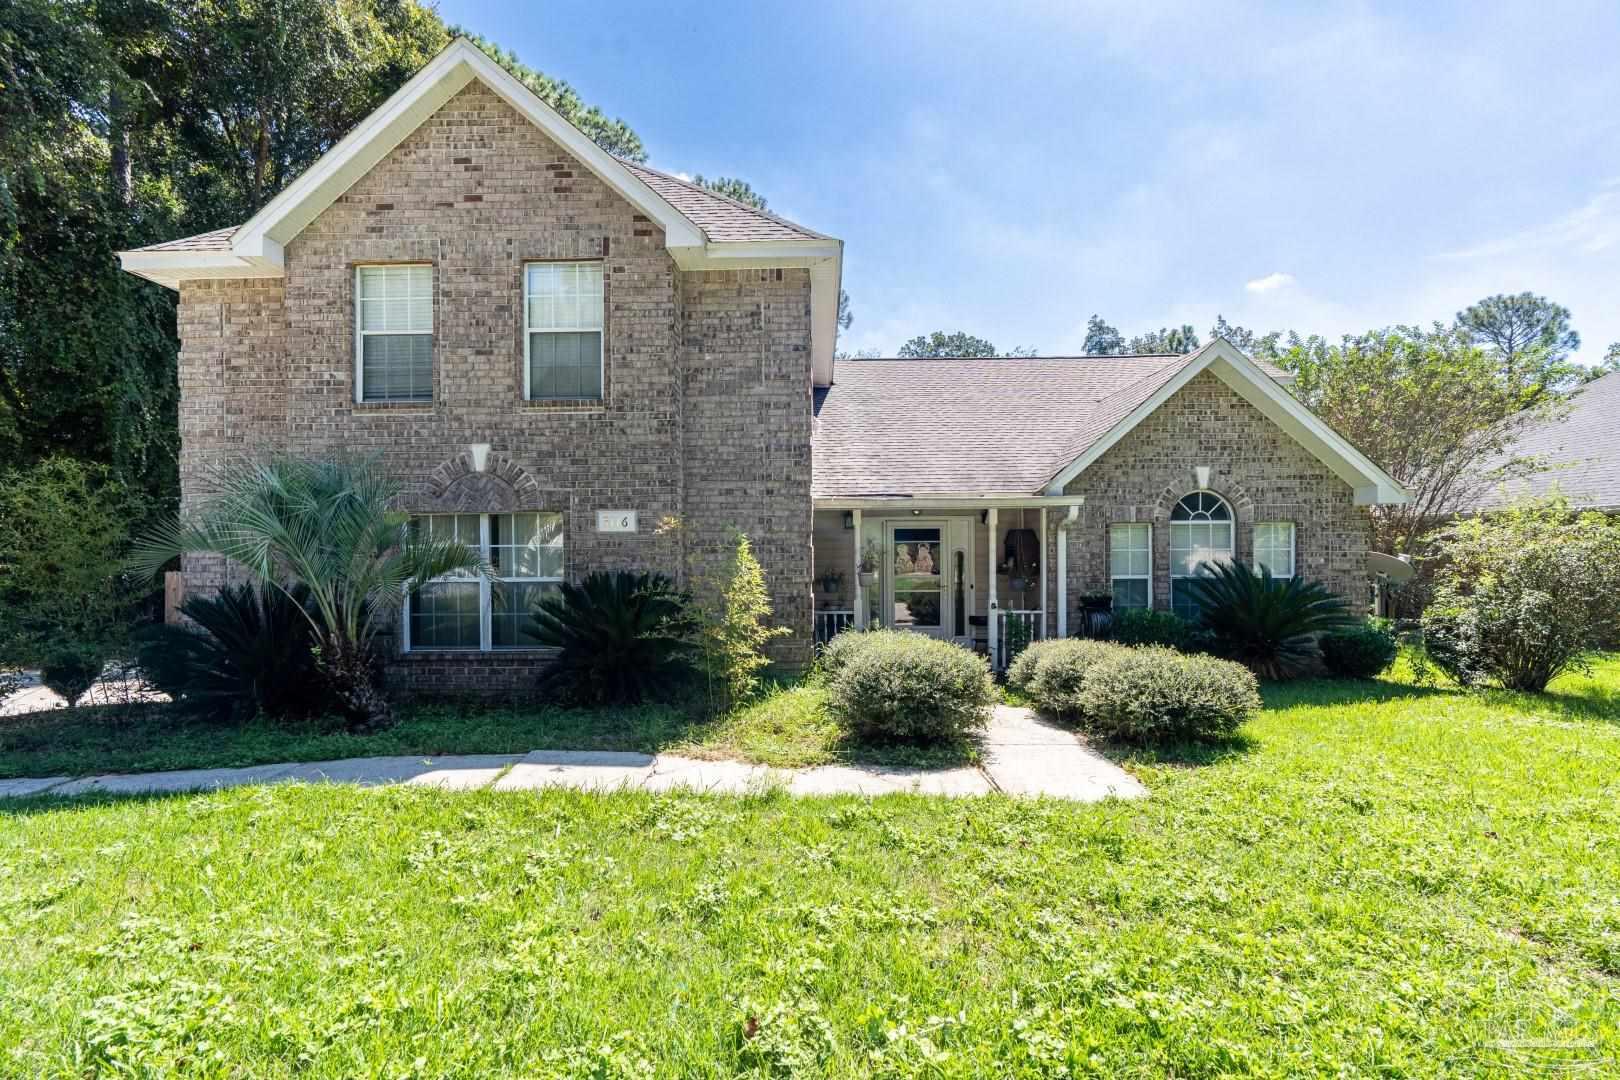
[1063, 570]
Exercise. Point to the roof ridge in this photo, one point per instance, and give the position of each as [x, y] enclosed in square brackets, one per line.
[735, 203]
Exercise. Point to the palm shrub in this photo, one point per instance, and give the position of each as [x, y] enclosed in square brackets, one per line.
[1157, 695]
[1362, 651]
[908, 688]
[623, 637]
[247, 651]
[1268, 624]
[330, 526]
[1523, 595]
[1053, 673]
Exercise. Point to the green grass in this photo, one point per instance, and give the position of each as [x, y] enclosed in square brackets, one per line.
[1380, 880]
[788, 726]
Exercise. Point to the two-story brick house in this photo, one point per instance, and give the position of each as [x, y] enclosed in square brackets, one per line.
[560, 353]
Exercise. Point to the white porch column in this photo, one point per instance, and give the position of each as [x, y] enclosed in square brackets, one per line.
[990, 595]
[1063, 569]
[860, 590]
[1046, 628]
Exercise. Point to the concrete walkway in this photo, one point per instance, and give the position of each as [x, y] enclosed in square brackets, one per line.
[1023, 756]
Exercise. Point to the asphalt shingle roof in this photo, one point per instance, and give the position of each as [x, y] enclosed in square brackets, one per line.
[1582, 445]
[986, 425]
[218, 240]
[719, 217]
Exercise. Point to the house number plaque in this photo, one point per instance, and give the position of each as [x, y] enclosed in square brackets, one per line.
[615, 521]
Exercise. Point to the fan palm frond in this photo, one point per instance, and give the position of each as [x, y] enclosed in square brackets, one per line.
[1268, 624]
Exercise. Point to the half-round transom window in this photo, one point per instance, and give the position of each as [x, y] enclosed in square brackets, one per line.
[1200, 534]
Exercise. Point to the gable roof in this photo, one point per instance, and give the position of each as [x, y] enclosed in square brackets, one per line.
[1583, 447]
[719, 216]
[1000, 427]
[701, 231]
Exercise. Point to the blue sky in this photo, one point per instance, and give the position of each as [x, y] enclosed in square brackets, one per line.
[1010, 169]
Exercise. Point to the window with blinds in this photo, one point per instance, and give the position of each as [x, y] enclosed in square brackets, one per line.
[394, 333]
[562, 341]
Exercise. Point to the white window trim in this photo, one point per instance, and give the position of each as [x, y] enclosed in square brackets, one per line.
[1148, 577]
[360, 335]
[1293, 548]
[486, 585]
[529, 332]
[1231, 537]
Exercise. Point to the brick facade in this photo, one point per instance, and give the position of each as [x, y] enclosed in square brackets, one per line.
[1263, 473]
[706, 416]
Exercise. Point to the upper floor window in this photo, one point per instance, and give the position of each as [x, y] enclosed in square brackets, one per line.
[1130, 559]
[562, 322]
[1274, 547]
[393, 327]
[1200, 533]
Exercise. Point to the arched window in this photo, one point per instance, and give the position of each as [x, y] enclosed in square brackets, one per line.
[1200, 532]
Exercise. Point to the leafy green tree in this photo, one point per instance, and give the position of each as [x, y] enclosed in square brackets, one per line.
[330, 527]
[1102, 339]
[954, 344]
[732, 188]
[734, 634]
[1245, 340]
[1170, 339]
[1607, 366]
[1529, 336]
[1429, 406]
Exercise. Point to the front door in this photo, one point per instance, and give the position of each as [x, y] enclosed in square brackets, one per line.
[917, 595]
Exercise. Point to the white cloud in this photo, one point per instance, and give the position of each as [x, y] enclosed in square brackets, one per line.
[1270, 283]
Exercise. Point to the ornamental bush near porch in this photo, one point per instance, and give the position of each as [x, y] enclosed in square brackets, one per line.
[907, 688]
[1156, 694]
[1052, 673]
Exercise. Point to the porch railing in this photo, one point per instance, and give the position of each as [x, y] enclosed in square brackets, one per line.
[1015, 628]
[829, 624]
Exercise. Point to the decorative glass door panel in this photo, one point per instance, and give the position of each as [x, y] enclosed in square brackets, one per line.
[917, 567]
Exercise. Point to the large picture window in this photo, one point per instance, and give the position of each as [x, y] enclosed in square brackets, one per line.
[464, 611]
[562, 341]
[1200, 533]
[1274, 548]
[1130, 565]
[393, 333]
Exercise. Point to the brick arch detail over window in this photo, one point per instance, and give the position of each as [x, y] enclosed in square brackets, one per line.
[1235, 494]
[502, 486]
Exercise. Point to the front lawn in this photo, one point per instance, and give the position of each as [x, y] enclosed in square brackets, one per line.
[1379, 880]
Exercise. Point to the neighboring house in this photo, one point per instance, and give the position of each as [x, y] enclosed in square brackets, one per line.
[561, 354]
[1580, 447]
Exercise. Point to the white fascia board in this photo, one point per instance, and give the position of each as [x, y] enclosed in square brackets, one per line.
[1371, 485]
[170, 268]
[966, 501]
[441, 79]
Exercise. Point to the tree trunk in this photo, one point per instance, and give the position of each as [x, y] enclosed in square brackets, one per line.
[118, 141]
[353, 676]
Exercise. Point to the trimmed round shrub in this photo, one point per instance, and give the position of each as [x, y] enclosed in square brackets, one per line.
[1055, 672]
[72, 670]
[1156, 695]
[844, 647]
[1358, 652]
[907, 688]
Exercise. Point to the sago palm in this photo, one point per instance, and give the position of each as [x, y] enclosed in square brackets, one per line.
[623, 637]
[1268, 624]
[330, 526]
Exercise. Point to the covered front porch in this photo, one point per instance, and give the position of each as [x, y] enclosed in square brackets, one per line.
[983, 572]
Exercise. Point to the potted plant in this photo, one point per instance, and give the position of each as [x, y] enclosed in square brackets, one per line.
[830, 581]
[867, 569]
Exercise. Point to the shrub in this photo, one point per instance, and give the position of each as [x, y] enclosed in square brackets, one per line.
[734, 636]
[65, 599]
[1156, 694]
[844, 647]
[252, 651]
[1053, 673]
[1144, 626]
[899, 687]
[1523, 595]
[1268, 624]
[1363, 651]
[70, 670]
[623, 638]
